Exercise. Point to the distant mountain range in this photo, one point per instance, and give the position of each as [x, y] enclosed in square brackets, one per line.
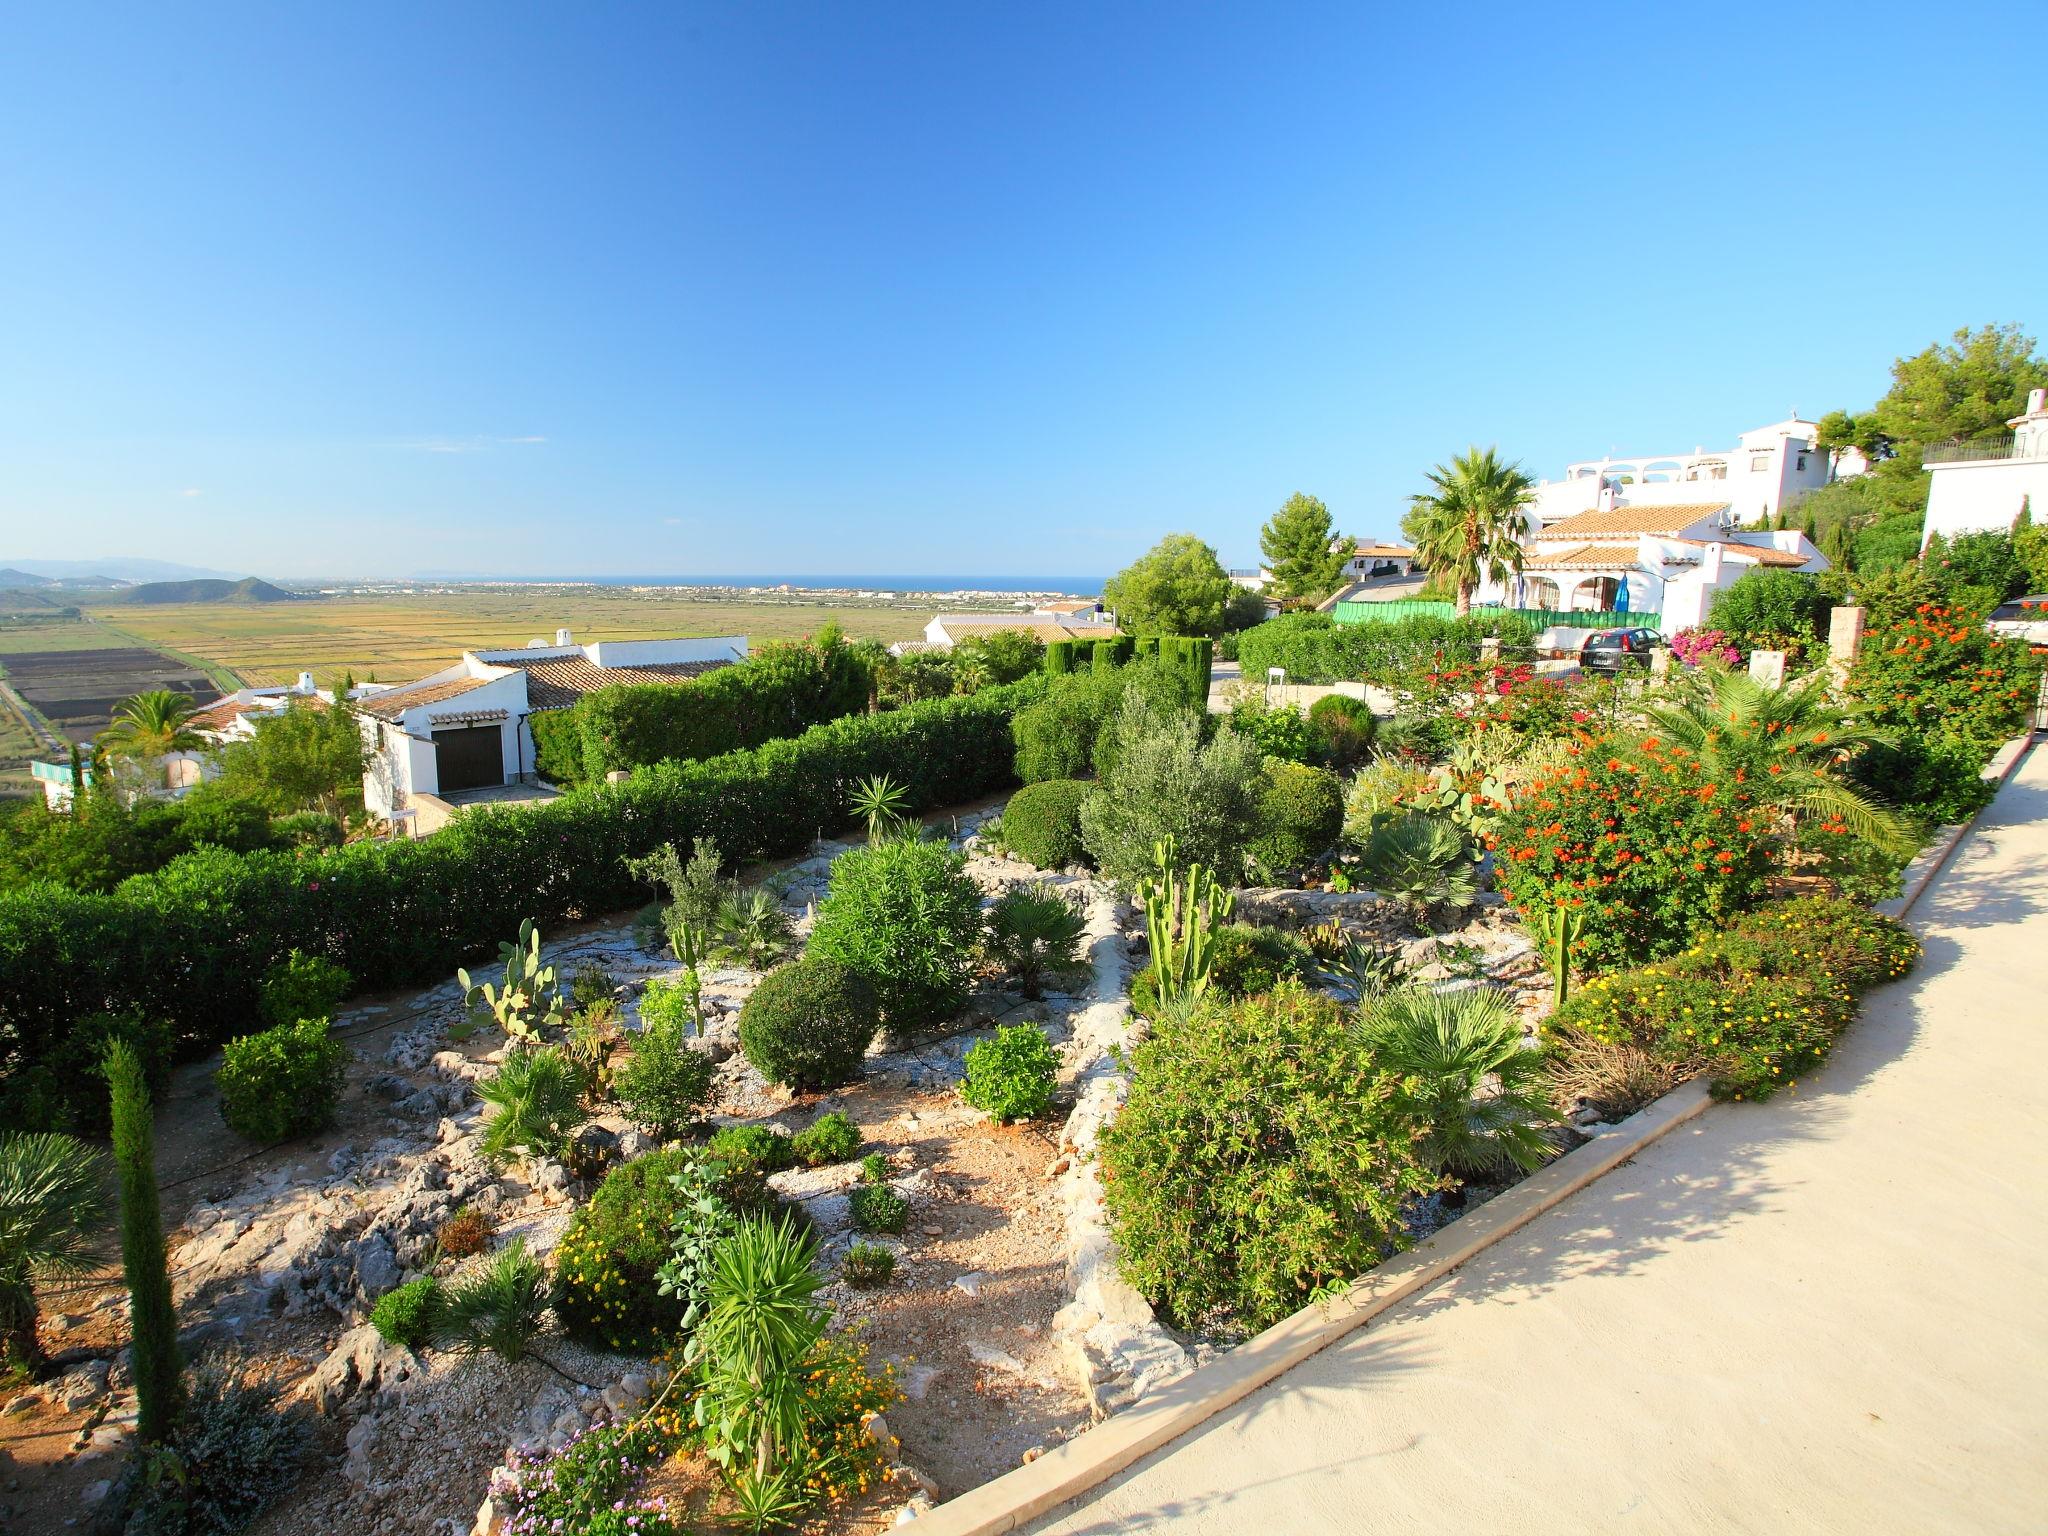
[115, 570]
[249, 589]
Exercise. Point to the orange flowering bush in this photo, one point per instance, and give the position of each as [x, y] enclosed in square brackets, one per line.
[1936, 671]
[1645, 835]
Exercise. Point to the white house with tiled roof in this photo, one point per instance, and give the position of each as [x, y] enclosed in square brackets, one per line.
[1067, 619]
[1664, 559]
[1766, 472]
[1982, 487]
[235, 717]
[464, 728]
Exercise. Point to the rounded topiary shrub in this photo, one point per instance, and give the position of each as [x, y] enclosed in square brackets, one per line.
[1261, 1154]
[408, 1314]
[607, 1295]
[1301, 813]
[809, 1024]
[281, 1083]
[905, 916]
[1042, 823]
[302, 986]
[1011, 1075]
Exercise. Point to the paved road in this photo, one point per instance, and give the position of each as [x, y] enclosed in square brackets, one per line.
[1824, 1314]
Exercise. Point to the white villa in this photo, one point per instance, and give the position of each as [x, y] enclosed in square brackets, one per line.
[1978, 487]
[463, 730]
[1766, 473]
[1666, 559]
[236, 717]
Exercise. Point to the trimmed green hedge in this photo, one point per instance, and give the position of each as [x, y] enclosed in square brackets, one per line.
[778, 691]
[190, 944]
[1314, 648]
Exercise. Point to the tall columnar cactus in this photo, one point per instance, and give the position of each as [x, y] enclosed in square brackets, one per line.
[528, 999]
[159, 1384]
[1557, 927]
[687, 940]
[1182, 909]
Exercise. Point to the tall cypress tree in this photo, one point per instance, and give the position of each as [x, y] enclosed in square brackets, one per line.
[158, 1371]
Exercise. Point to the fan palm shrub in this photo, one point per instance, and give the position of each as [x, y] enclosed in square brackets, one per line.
[502, 1308]
[754, 929]
[1469, 527]
[1481, 1095]
[1787, 745]
[1424, 863]
[536, 1099]
[1035, 930]
[53, 1209]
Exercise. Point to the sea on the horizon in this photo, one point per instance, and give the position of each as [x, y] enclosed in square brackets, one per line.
[1071, 586]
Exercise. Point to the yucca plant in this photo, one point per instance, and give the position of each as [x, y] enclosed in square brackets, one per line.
[536, 1096]
[882, 803]
[1034, 931]
[502, 1308]
[53, 1212]
[1482, 1096]
[1423, 864]
[760, 1322]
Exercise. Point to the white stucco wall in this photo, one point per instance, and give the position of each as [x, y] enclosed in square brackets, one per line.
[1978, 497]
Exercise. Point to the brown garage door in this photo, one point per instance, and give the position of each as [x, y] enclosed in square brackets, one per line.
[469, 759]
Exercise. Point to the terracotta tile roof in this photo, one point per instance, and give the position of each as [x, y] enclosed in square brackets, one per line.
[1645, 519]
[1388, 551]
[471, 717]
[394, 702]
[1075, 605]
[1587, 557]
[1764, 556]
[559, 681]
[217, 717]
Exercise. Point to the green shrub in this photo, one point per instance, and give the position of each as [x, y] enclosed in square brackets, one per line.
[235, 1449]
[1261, 1154]
[188, 945]
[1423, 863]
[905, 917]
[282, 1083]
[1935, 778]
[809, 1024]
[830, 1138]
[867, 1265]
[1478, 1092]
[755, 1146]
[64, 1090]
[536, 1100]
[1301, 814]
[1011, 1076]
[302, 986]
[1345, 728]
[607, 1262]
[1282, 732]
[154, 1354]
[1164, 782]
[1770, 610]
[1035, 931]
[1315, 649]
[1818, 936]
[1058, 736]
[408, 1314]
[878, 1208]
[1245, 959]
[1042, 823]
[592, 986]
[591, 1479]
[874, 1169]
[666, 1081]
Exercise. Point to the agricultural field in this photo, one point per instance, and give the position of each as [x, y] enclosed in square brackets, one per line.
[394, 637]
[77, 690]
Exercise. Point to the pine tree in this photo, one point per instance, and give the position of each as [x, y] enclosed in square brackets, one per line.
[1297, 543]
[158, 1371]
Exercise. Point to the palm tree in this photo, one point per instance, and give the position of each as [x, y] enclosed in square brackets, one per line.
[53, 1212]
[152, 724]
[1480, 1092]
[1470, 527]
[1785, 746]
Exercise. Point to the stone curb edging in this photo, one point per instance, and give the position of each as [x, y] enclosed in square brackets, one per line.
[1935, 856]
[1093, 1458]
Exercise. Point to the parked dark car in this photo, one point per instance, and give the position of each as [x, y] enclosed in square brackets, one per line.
[1612, 650]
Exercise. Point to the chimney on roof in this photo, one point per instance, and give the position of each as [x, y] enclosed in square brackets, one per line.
[305, 682]
[562, 637]
[2037, 402]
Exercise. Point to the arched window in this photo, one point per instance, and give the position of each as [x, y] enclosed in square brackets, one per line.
[1595, 594]
[1540, 592]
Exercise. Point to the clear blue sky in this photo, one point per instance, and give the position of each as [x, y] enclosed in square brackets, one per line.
[957, 287]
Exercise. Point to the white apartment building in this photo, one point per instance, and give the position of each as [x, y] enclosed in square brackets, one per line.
[1767, 471]
[1977, 487]
[464, 728]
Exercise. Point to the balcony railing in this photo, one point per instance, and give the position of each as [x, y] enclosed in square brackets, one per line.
[1965, 453]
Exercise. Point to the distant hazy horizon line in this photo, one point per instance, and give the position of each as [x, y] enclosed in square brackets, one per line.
[1079, 586]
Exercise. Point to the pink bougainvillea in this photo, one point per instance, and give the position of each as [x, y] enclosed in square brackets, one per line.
[1697, 646]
